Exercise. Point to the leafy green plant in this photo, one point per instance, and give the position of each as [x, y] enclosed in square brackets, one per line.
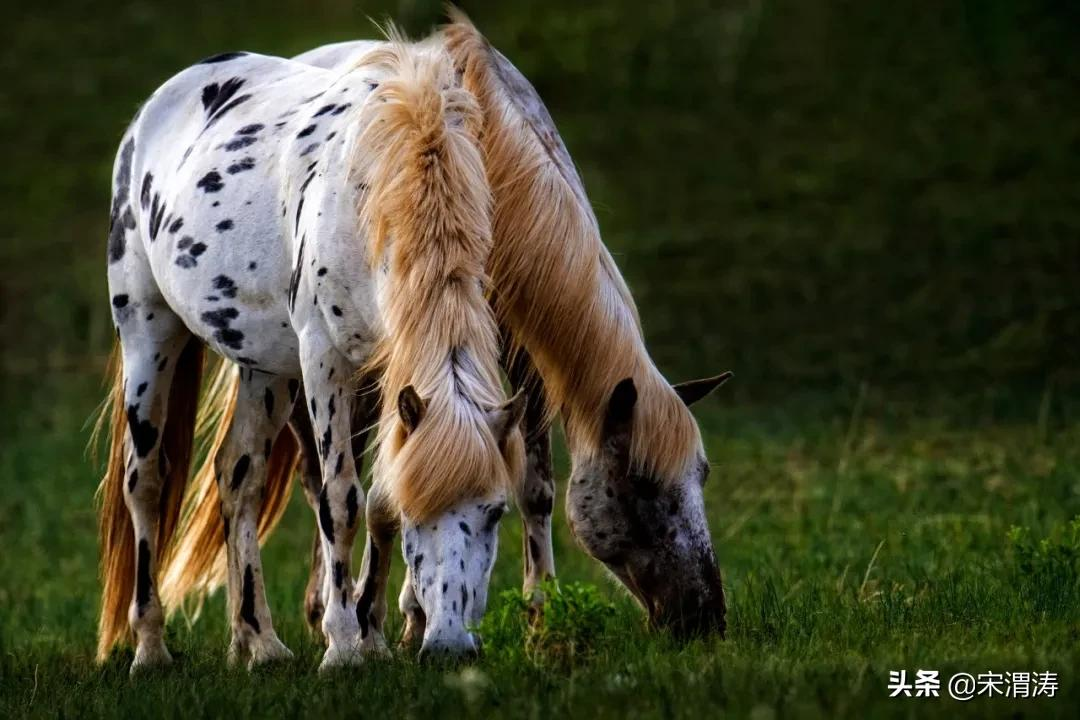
[1048, 569]
[574, 624]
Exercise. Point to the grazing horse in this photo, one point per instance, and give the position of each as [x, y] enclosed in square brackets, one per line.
[305, 224]
[575, 347]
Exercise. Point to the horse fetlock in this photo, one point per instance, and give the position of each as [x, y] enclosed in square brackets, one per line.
[339, 624]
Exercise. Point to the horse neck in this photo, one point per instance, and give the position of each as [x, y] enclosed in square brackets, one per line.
[583, 341]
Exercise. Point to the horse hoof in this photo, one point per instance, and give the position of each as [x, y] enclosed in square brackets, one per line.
[337, 656]
[374, 646]
[149, 656]
[268, 651]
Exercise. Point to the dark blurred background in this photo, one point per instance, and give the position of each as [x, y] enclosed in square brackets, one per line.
[825, 194]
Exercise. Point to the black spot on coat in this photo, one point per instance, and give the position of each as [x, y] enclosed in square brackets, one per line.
[247, 603]
[326, 519]
[142, 577]
[352, 507]
[143, 433]
[540, 505]
[144, 195]
[121, 218]
[221, 57]
[239, 143]
[210, 182]
[240, 470]
[225, 285]
[221, 320]
[157, 212]
[219, 99]
[241, 165]
[367, 595]
[327, 439]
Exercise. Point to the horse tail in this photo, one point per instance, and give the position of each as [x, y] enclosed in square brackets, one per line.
[115, 529]
[195, 564]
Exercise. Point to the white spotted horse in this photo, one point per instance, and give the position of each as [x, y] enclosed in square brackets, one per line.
[575, 347]
[305, 224]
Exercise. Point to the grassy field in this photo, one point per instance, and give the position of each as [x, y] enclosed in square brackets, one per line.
[855, 539]
[866, 210]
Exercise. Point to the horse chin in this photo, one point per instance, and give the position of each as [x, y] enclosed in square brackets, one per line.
[450, 561]
[686, 604]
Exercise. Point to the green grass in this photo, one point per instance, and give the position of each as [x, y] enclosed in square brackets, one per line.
[813, 194]
[854, 540]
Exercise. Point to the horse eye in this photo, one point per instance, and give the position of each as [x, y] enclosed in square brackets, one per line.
[705, 468]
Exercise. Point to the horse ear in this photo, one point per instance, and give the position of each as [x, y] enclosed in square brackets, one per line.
[693, 390]
[508, 416]
[619, 425]
[411, 408]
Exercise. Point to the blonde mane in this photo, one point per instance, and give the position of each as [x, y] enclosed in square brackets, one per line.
[558, 291]
[426, 214]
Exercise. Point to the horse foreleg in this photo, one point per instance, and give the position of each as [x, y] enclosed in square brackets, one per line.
[311, 482]
[330, 402]
[535, 495]
[365, 412]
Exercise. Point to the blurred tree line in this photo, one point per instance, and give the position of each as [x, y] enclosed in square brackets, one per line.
[806, 192]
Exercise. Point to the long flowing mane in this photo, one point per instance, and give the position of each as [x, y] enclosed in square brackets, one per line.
[426, 213]
[557, 289]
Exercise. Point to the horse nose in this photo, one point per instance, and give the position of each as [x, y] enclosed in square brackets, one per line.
[459, 647]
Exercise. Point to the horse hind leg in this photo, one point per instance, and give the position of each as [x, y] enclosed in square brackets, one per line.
[153, 342]
[382, 526]
[262, 408]
[415, 619]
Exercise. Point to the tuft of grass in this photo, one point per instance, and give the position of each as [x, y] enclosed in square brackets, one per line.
[574, 626]
[1047, 570]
